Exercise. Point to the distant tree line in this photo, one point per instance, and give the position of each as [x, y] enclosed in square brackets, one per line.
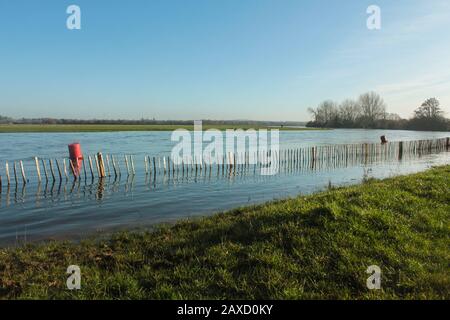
[7, 120]
[369, 111]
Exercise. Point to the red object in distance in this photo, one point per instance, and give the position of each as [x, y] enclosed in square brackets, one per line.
[76, 156]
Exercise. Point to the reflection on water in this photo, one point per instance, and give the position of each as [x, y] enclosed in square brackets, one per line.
[72, 209]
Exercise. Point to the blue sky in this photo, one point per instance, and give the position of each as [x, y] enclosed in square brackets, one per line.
[218, 59]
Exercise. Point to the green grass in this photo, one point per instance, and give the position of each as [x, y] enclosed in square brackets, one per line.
[307, 247]
[16, 128]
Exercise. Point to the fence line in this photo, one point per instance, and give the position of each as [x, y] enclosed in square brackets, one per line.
[285, 160]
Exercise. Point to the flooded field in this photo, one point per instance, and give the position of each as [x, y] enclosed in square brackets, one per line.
[67, 209]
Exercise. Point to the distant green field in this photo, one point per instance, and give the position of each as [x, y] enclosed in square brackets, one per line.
[10, 128]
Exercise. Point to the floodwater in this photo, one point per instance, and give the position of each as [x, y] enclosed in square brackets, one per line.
[74, 210]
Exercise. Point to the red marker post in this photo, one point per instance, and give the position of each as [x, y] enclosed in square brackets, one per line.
[76, 157]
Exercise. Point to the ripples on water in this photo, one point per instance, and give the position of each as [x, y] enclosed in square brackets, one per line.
[73, 210]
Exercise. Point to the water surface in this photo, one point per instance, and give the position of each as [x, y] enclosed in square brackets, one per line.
[68, 210]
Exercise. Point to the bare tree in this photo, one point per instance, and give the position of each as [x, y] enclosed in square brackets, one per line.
[369, 111]
[393, 117]
[349, 111]
[313, 113]
[327, 112]
[373, 108]
[430, 109]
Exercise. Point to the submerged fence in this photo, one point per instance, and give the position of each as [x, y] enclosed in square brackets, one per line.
[101, 166]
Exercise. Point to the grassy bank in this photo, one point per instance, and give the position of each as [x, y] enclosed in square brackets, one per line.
[16, 128]
[317, 246]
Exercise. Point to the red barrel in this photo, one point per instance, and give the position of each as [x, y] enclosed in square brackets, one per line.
[76, 156]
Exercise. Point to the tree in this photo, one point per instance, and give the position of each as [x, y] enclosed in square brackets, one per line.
[393, 117]
[5, 119]
[369, 111]
[430, 109]
[326, 113]
[349, 112]
[429, 116]
[372, 107]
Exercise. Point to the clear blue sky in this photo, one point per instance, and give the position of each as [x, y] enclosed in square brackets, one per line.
[218, 59]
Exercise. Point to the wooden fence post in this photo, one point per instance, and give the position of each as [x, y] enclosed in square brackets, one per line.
[65, 168]
[107, 166]
[84, 169]
[132, 164]
[97, 164]
[38, 170]
[59, 169]
[45, 169]
[7, 173]
[51, 169]
[146, 165]
[126, 165]
[15, 172]
[23, 172]
[114, 166]
[400, 150]
[90, 167]
[101, 165]
[73, 169]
